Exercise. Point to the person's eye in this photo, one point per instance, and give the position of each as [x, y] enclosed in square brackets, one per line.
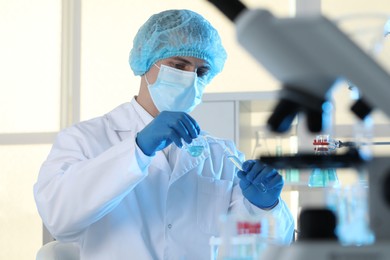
[180, 66]
[201, 72]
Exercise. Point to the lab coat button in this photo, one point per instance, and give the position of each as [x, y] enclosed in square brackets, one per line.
[169, 226]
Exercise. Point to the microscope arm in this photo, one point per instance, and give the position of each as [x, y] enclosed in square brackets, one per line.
[308, 54]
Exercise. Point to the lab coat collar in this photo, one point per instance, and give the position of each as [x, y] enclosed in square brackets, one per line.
[142, 113]
[121, 118]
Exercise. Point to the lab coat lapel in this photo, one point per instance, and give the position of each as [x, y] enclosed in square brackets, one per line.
[160, 161]
[125, 121]
[184, 162]
[125, 135]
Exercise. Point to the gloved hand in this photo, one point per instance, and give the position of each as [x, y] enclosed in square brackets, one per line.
[166, 128]
[260, 184]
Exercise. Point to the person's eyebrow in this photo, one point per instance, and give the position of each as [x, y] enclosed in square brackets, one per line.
[182, 60]
[187, 62]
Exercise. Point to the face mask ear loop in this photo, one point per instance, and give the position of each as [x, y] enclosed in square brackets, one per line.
[146, 77]
[198, 79]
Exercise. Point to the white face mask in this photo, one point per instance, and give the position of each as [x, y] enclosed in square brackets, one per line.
[176, 90]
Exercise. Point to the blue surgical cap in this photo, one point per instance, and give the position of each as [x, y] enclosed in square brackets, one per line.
[177, 33]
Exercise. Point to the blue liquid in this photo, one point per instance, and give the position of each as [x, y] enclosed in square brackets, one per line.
[322, 177]
[291, 175]
[195, 150]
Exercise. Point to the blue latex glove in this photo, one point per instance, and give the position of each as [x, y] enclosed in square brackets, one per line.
[166, 128]
[260, 184]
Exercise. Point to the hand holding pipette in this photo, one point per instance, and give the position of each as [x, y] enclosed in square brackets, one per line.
[260, 184]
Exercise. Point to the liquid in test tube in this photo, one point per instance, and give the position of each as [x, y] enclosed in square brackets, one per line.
[237, 162]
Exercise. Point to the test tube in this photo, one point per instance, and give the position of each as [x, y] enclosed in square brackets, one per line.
[238, 163]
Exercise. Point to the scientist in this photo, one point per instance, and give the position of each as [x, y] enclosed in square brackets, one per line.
[121, 187]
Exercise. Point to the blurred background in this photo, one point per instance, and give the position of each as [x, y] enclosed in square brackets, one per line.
[66, 61]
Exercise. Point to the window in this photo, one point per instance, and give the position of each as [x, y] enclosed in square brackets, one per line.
[30, 104]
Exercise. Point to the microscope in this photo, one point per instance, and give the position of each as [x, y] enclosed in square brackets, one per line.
[308, 55]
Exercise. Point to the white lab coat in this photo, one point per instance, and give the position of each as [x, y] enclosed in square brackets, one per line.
[98, 189]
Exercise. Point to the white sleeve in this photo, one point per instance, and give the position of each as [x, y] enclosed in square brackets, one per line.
[73, 191]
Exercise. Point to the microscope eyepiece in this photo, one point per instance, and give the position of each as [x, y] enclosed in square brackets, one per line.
[284, 113]
[230, 8]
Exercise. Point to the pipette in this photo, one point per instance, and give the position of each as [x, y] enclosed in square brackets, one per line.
[325, 144]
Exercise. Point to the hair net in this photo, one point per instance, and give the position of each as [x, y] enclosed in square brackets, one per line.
[177, 33]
